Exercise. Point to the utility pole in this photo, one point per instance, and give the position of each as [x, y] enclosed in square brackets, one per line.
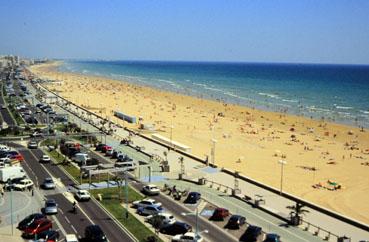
[126, 190]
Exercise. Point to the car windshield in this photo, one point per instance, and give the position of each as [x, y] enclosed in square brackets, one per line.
[48, 180]
[50, 204]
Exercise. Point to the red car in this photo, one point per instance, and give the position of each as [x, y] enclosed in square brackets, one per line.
[37, 227]
[220, 214]
[105, 148]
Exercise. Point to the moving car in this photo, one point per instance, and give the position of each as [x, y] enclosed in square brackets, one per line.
[22, 225]
[51, 207]
[82, 195]
[32, 145]
[192, 198]
[145, 202]
[219, 214]
[45, 159]
[94, 233]
[23, 185]
[151, 190]
[37, 227]
[187, 237]
[252, 234]
[109, 152]
[235, 222]
[48, 183]
[149, 210]
[176, 228]
[272, 238]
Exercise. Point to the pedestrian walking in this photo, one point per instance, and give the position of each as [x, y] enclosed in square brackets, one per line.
[2, 191]
[32, 192]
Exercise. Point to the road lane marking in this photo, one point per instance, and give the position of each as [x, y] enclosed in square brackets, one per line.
[59, 224]
[66, 218]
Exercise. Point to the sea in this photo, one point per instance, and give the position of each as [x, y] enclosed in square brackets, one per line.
[334, 93]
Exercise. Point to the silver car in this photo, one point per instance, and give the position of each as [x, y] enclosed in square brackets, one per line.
[51, 207]
[48, 183]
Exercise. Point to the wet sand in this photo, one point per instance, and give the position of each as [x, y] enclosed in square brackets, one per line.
[249, 141]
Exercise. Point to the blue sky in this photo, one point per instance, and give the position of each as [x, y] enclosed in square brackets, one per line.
[320, 31]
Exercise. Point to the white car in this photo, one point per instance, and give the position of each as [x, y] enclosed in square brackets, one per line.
[45, 159]
[165, 218]
[187, 237]
[151, 189]
[146, 202]
[83, 195]
[71, 238]
[4, 148]
[23, 184]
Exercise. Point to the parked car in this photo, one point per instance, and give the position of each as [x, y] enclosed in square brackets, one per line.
[236, 221]
[51, 207]
[22, 225]
[80, 158]
[99, 147]
[151, 190]
[106, 148]
[82, 195]
[162, 219]
[37, 227]
[48, 236]
[145, 202]
[23, 185]
[109, 152]
[251, 234]
[32, 145]
[149, 210]
[187, 237]
[193, 198]
[10, 185]
[4, 148]
[71, 238]
[272, 238]
[123, 158]
[176, 228]
[116, 153]
[219, 214]
[93, 233]
[48, 183]
[45, 159]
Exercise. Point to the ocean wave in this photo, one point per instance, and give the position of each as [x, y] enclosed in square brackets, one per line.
[200, 84]
[343, 107]
[270, 95]
[363, 111]
[290, 100]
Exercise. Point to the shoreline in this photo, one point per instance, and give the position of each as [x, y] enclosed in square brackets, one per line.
[250, 141]
[268, 101]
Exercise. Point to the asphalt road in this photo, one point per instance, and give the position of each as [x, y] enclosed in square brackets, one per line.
[5, 112]
[175, 208]
[72, 222]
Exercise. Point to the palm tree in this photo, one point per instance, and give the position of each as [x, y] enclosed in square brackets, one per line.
[296, 213]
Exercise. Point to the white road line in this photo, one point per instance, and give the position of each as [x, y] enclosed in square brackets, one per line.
[59, 224]
[66, 218]
[74, 229]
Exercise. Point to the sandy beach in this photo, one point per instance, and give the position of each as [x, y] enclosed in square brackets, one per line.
[249, 141]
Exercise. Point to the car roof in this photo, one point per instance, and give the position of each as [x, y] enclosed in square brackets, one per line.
[148, 200]
[50, 200]
[151, 185]
[70, 237]
[236, 216]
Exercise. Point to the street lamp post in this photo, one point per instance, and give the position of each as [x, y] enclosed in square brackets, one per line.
[197, 217]
[282, 162]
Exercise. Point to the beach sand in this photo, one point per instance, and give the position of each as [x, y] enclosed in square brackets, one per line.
[249, 141]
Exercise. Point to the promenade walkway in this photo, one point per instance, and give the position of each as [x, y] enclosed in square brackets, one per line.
[195, 170]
